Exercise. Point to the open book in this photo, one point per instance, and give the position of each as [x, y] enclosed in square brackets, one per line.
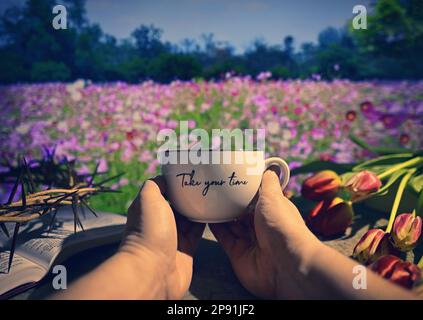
[37, 250]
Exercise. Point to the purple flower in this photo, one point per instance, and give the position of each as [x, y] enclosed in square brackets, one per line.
[392, 121]
[368, 110]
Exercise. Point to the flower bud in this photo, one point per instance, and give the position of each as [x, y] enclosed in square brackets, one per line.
[322, 185]
[406, 231]
[373, 244]
[396, 270]
[363, 183]
[330, 217]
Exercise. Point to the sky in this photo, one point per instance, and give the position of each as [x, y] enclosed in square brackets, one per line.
[236, 21]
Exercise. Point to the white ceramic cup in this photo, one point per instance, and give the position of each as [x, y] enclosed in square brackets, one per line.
[218, 192]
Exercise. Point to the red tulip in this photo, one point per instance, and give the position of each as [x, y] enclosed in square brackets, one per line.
[406, 231]
[396, 270]
[373, 244]
[363, 183]
[322, 185]
[330, 217]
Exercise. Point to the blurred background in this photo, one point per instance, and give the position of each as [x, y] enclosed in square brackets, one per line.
[100, 90]
[163, 40]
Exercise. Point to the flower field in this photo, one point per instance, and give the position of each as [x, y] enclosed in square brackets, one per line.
[116, 124]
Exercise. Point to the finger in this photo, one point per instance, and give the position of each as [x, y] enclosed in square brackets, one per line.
[233, 242]
[150, 214]
[189, 234]
[152, 184]
[270, 183]
[223, 235]
[150, 191]
[243, 227]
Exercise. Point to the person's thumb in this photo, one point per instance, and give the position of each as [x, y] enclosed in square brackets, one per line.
[270, 183]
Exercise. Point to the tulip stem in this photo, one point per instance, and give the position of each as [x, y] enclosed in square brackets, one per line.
[399, 166]
[397, 200]
[420, 264]
[362, 198]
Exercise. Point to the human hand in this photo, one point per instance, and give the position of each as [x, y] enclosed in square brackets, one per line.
[267, 248]
[155, 235]
[272, 252]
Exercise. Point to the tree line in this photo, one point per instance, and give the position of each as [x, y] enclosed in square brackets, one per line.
[32, 51]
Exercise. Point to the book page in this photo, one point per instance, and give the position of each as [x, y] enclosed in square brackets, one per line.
[37, 248]
[42, 247]
[21, 272]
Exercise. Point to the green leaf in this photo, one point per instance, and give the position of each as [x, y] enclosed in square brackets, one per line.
[378, 150]
[359, 142]
[384, 161]
[417, 183]
[392, 179]
[419, 206]
[317, 166]
[387, 151]
[418, 153]
[383, 193]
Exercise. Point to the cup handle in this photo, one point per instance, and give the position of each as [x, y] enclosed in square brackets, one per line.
[284, 176]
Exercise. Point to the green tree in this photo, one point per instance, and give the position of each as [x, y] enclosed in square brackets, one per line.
[394, 35]
[49, 71]
[169, 67]
[148, 40]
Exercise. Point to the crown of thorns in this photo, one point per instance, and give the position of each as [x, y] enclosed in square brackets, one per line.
[45, 186]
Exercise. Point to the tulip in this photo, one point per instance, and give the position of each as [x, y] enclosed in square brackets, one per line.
[330, 217]
[396, 270]
[363, 183]
[322, 185]
[373, 244]
[406, 231]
